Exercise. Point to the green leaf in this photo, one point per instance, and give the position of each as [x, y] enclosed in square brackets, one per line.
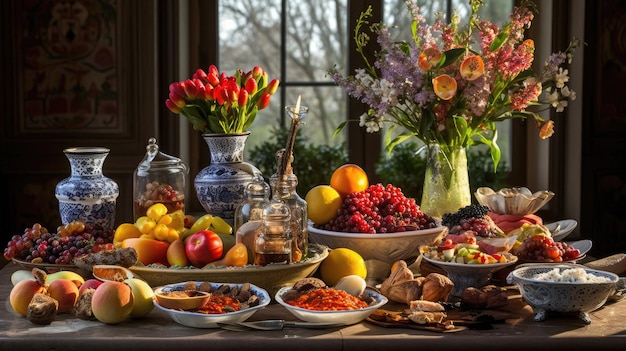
[340, 128]
[448, 57]
[498, 41]
[496, 153]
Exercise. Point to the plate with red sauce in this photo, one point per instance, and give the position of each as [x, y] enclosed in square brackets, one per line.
[345, 317]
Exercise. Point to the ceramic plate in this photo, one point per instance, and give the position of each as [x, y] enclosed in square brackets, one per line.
[583, 246]
[561, 229]
[345, 317]
[202, 320]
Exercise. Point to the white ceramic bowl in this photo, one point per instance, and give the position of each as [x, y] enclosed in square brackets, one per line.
[387, 248]
[517, 201]
[561, 229]
[336, 317]
[465, 275]
[544, 296]
[202, 320]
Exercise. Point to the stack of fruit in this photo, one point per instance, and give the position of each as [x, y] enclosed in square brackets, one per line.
[176, 239]
[350, 204]
[40, 297]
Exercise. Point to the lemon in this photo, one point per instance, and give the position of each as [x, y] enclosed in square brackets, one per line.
[323, 202]
[342, 262]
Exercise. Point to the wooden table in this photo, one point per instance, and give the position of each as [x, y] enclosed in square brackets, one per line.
[158, 332]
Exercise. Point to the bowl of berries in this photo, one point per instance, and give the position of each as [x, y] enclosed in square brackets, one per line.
[379, 223]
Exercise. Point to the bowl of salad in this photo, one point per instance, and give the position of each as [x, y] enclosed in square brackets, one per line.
[466, 264]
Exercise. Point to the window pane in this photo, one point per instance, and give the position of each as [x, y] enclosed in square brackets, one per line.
[314, 40]
[249, 35]
[497, 11]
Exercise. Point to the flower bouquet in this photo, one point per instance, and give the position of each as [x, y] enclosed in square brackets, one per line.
[449, 85]
[215, 103]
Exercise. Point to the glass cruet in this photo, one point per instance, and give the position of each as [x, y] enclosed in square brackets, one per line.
[273, 243]
[159, 178]
[257, 194]
[285, 190]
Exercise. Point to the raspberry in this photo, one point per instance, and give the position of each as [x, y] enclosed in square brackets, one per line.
[379, 209]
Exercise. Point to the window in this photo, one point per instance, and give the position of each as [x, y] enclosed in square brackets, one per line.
[298, 41]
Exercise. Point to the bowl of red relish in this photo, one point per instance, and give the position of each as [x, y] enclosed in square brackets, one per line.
[328, 305]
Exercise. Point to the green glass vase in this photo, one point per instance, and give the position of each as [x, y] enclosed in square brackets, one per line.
[446, 180]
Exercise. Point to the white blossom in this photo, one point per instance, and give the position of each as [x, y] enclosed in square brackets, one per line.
[371, 124]
[561, 77]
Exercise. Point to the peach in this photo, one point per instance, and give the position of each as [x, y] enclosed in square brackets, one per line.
[22, 293]
[112, 302]
[65, 292]
[176, 255]
[89, 284]
[148, 250]
[142, 297]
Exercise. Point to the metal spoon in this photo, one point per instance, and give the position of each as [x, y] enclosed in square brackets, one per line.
[279, 324]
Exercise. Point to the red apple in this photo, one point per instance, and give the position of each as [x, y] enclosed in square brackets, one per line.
[203, 247]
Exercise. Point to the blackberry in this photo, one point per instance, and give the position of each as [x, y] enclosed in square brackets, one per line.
[467, 212]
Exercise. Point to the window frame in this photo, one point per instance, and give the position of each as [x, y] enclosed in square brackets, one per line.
[364, 148]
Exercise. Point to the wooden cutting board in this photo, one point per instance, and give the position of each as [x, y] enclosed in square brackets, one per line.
[456, 320]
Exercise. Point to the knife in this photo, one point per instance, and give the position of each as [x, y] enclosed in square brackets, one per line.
[278, 324]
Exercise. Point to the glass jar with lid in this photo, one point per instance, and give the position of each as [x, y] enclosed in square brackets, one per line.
[159, 178]
[257, 194]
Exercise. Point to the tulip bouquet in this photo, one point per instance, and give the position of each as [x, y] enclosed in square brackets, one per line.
[450, 85]
[215, 103]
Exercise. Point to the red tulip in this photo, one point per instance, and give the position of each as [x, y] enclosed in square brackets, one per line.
[243, 98]
[208, 92]
[264, 101]
[257, 72]
[172, 107]
[178, 88]
[190, 89]
[251, 86]
[200, 74]
[177, 99]
[273, 86]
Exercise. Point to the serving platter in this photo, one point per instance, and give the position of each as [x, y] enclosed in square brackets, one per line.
[271, 277]
[561, 229]
[51, 267]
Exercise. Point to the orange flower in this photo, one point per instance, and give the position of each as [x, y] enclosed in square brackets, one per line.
[547, 129]
[472, 67]
[444, 86]
[428, 58]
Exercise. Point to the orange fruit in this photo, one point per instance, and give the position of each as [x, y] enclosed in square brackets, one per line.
[125, 231]
[472, 67]
[323, 202]
[444, 86]
[342, 262]
[148, 251]
[349, 178]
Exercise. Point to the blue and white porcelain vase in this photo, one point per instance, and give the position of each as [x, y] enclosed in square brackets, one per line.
[220, 187]
[87, 195]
